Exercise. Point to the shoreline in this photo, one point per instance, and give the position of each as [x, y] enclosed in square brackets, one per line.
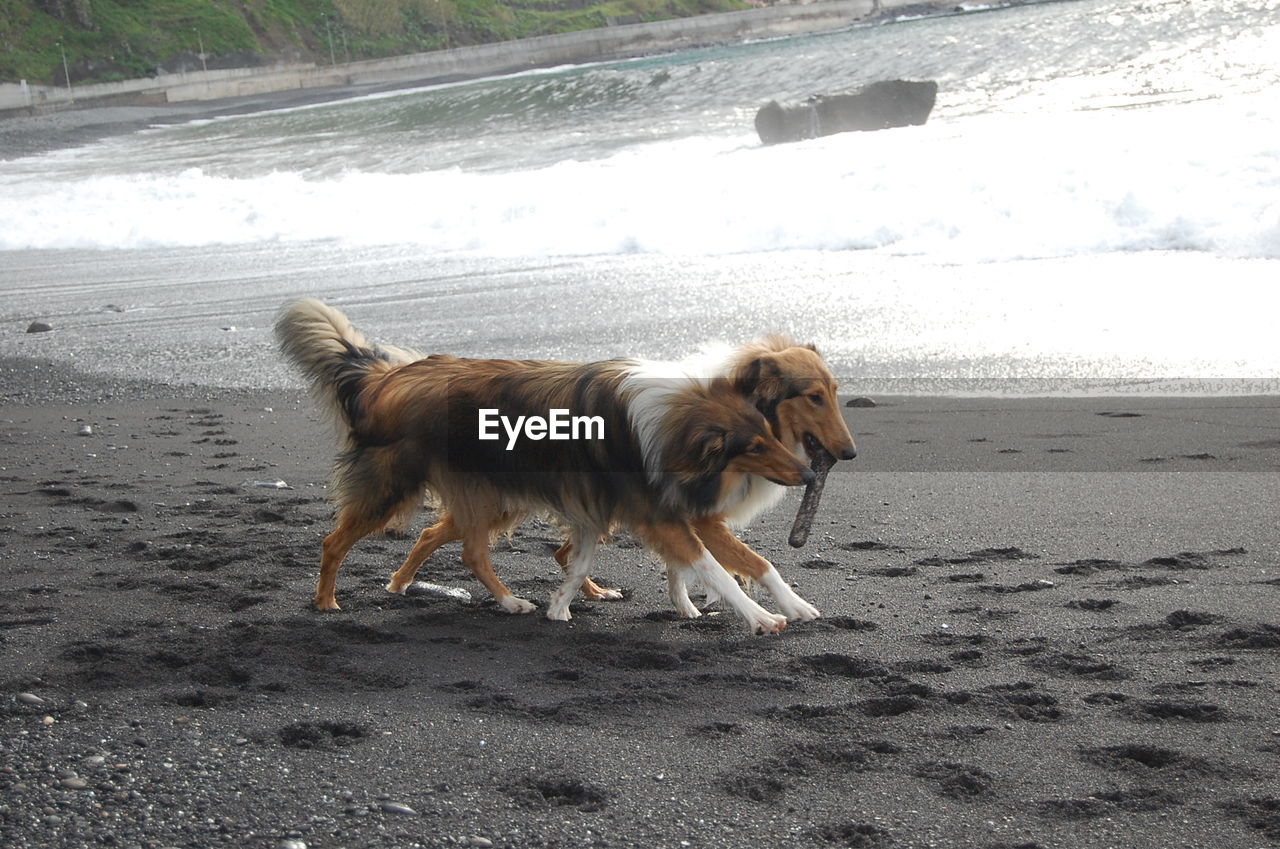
[43, 379]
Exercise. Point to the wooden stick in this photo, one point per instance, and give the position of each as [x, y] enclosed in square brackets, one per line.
[822, 463]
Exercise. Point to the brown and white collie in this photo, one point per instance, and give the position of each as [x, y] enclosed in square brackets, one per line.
[673, 449]
[794, 390]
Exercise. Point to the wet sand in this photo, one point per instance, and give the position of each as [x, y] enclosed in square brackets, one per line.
[1047, 622]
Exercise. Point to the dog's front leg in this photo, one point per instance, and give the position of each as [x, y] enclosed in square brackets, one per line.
[679, 546]
[715, 577]
[737, 557]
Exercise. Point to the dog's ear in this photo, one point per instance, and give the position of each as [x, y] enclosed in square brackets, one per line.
[711, 444]
[757, 378]
[749, 377]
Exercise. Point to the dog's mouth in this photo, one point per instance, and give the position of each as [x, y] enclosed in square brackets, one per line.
[815, 449]
[806, 478]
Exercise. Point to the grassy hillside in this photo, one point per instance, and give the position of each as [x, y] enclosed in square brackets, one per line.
[118, 39]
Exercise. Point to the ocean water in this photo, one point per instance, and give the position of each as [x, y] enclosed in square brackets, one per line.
[1094, 205]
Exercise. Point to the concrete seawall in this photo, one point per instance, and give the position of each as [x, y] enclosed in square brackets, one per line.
[618, 42]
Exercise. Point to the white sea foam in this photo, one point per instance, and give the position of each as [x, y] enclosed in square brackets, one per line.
[1199, 177]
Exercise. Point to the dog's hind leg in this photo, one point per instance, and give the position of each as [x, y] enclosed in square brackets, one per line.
[349, 531]
[583, 548]
[591, 591]
[678, 545]
[442, 532]
[737, 557]
[475, 555]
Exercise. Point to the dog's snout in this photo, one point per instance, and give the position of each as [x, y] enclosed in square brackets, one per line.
[849, 452]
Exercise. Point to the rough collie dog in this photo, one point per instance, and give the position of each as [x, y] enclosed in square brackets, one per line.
[792, 387]
[794, 390]
[671, 450]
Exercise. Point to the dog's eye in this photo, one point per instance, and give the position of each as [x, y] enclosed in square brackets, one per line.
[756, 448]
[816, 398]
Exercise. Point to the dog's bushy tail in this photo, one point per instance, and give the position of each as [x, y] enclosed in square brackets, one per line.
[335, 357]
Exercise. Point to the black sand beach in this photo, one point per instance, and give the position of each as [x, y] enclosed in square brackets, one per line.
[1047, 622]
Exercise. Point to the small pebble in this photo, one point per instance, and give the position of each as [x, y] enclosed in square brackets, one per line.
[38, 327]
[74, 783]
[424, 588]
[397, 808]
[292, 844]
[29, 699]
[480, 842]
[859, 402]
[85, 430]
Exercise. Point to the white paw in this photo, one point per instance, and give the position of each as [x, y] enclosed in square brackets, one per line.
[391, 588]
[608, 595]
[788, 601]
[687, 609]
[558, 615]
[800, 610]
[768, 623]
[515, 604]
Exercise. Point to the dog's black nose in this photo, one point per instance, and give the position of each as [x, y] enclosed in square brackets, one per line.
[849, 453]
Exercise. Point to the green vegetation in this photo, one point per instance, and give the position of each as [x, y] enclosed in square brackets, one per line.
[118, 39]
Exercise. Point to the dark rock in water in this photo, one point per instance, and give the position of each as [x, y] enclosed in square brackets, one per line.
[38, 327]
[859, 402]
[878, 106]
